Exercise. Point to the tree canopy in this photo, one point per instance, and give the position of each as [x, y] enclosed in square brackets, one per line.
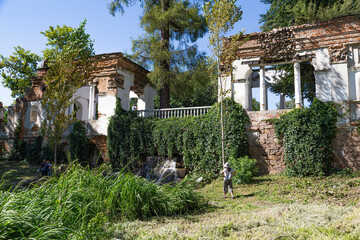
[167, 47]
[18, 69]
[283, 13]
[69, 58]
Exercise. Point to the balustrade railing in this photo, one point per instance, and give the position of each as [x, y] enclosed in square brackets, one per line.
[174, 112]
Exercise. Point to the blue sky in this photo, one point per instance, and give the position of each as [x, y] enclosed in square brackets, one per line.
[21, 22]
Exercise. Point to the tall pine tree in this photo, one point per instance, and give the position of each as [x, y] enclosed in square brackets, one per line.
[171, 27]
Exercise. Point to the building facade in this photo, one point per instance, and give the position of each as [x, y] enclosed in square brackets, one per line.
[114, 77]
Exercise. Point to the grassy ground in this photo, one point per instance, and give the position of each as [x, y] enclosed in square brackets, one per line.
[13, 173]
[274, 207]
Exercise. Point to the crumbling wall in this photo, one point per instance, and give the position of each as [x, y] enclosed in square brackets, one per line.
[269, 153]
[283, 44]
[264, 146]
[347, 148]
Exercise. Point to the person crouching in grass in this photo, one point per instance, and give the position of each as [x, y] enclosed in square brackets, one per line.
[227, 173]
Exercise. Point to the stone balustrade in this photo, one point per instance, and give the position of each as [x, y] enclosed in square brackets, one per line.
[174, 112]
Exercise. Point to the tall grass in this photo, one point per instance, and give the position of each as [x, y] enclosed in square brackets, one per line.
[80, 204]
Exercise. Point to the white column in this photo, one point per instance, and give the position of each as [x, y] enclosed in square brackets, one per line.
[282, 101]
[357, 85]
[91, 102]
[297, 82]
[266, 97]
[262, 89]
[248, 95]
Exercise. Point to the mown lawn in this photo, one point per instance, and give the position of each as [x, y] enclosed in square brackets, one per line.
[273, 207]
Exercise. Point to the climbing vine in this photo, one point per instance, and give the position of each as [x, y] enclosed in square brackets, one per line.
[80, 146]
[197, 140]
[306, 136]
[129, 138]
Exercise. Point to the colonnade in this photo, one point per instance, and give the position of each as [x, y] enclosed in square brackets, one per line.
[263, 89]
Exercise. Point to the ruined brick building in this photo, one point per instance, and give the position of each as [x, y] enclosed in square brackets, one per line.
[333, 49]
[114, 77]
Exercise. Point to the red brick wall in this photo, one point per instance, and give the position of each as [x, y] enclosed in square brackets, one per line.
[347, 148]
[265, 148]
[334, 34]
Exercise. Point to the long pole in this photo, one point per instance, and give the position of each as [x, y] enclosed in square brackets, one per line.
[221, 110]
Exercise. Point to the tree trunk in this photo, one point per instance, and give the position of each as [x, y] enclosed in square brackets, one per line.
[55, 152]
[164, 64]
[165, 96]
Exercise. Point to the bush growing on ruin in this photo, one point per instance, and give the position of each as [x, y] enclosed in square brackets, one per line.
[80, 146]
[34, 151]
[306, 136]
[18, 149]
[197, 140]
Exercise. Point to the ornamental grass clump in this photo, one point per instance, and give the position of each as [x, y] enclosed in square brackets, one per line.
[306, 136]
[81, 203]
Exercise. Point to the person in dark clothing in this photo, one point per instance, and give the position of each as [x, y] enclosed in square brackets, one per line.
[42, 167]
[46, 170]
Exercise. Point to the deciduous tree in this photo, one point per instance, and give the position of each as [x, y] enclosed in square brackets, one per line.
[221, 15]
[18, 69]
[69, 58]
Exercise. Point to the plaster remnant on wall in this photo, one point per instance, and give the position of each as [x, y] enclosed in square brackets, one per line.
[113, 77]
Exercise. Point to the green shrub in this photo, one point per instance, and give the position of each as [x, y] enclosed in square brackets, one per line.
[245, 169]
[18, 149]
[306, 135]
[128, 139]
[80, 146]
[33, 154]
[196, 139]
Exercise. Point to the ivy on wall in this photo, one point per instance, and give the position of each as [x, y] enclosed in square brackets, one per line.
[128, 139]
[79, 144]
[306, 136]
[196, 139]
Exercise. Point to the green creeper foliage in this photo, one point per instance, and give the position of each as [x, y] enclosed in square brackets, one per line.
[245, 169]
[33, 154]
[128, 139]
[18, 150]
[80, 146]
[18, 69]
[306, 135]
[196, 139]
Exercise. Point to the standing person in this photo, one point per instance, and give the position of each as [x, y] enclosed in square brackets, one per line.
[227, 173]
